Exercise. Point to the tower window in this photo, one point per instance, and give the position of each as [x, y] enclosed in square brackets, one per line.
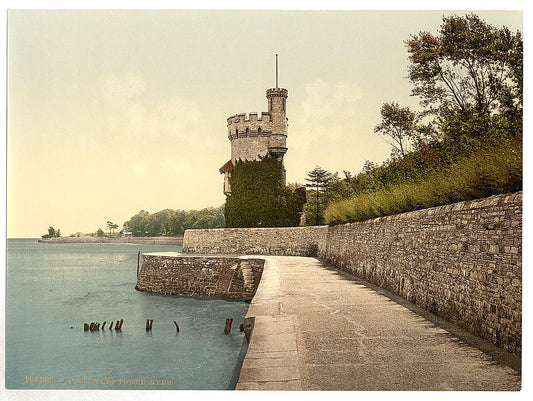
[259, 131]
[247, 131]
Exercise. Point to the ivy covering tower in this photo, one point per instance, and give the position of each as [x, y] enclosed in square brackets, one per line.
[260, 198]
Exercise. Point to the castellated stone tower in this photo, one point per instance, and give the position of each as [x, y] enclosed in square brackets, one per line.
[277, 106]
[255, 136]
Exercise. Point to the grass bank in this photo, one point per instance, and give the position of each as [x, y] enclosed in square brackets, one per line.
[492, 170]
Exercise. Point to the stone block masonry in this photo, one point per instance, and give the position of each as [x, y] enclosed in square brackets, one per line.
[287, 241]
[219, 277]
[462, 262]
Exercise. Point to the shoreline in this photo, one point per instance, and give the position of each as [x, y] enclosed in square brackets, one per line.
[105, 240]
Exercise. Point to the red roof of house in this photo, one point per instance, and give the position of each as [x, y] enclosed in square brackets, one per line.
[228, 166]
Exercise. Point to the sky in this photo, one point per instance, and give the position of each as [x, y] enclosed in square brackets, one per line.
[113, 112]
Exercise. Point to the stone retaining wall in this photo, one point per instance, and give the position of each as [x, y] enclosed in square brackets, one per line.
[462, 262]
[220, 277]
[294, 241]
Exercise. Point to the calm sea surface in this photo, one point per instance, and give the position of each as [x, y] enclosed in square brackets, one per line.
[53, 289]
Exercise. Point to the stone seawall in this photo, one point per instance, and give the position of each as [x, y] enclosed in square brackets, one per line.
[209, 276]
[288, 241]
[462, 262]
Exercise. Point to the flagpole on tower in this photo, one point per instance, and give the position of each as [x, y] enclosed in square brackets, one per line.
[276, 70]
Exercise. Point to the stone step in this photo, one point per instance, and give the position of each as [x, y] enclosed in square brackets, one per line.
[247, 275]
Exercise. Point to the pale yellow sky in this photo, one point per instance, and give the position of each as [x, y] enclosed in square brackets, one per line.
[111, 112]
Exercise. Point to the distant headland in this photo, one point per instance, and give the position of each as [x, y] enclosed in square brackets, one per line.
[115, 240]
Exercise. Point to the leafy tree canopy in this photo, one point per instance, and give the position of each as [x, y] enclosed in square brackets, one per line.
[399, 125]
[52, 233]
[111, 226]
[466, 142]
[467, 74]
[169, 222]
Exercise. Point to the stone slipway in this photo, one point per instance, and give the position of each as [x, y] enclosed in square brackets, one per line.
[320, 329]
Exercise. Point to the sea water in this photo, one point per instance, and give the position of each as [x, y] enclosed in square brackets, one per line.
[53, 289]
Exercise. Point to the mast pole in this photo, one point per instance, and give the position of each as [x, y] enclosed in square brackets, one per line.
[276, 70]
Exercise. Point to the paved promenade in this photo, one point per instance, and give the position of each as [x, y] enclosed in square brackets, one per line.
[320, 329]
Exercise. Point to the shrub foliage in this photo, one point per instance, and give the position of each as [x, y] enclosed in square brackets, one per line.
[259, 197]
[468, 78]
[492, 169]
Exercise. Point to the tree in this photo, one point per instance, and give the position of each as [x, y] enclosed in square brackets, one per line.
[464, 73]
[296, 199]
[170, 222]
[338, 188]
[319, 180]
[136, 223]
[399, 124]
[111, 226]
[52, 233]
[100, 233]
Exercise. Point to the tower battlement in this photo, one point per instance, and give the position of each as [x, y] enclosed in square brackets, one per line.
[269, 126]
[256, 135]
[246, 117]
[277, 92]
[249, 125]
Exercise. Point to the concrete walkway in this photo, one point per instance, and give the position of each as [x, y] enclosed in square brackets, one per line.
[320, 329]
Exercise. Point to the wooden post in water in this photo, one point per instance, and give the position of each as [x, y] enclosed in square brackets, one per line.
[85, 326]
[103, 325]
[111, 325]
[177, 327]
[121, 322]
[227, 329]
[138, 260]
[117, 325]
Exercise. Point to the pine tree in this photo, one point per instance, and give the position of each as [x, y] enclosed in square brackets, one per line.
[319, 180]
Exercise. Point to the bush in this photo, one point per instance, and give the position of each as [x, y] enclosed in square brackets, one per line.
[493, 169]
